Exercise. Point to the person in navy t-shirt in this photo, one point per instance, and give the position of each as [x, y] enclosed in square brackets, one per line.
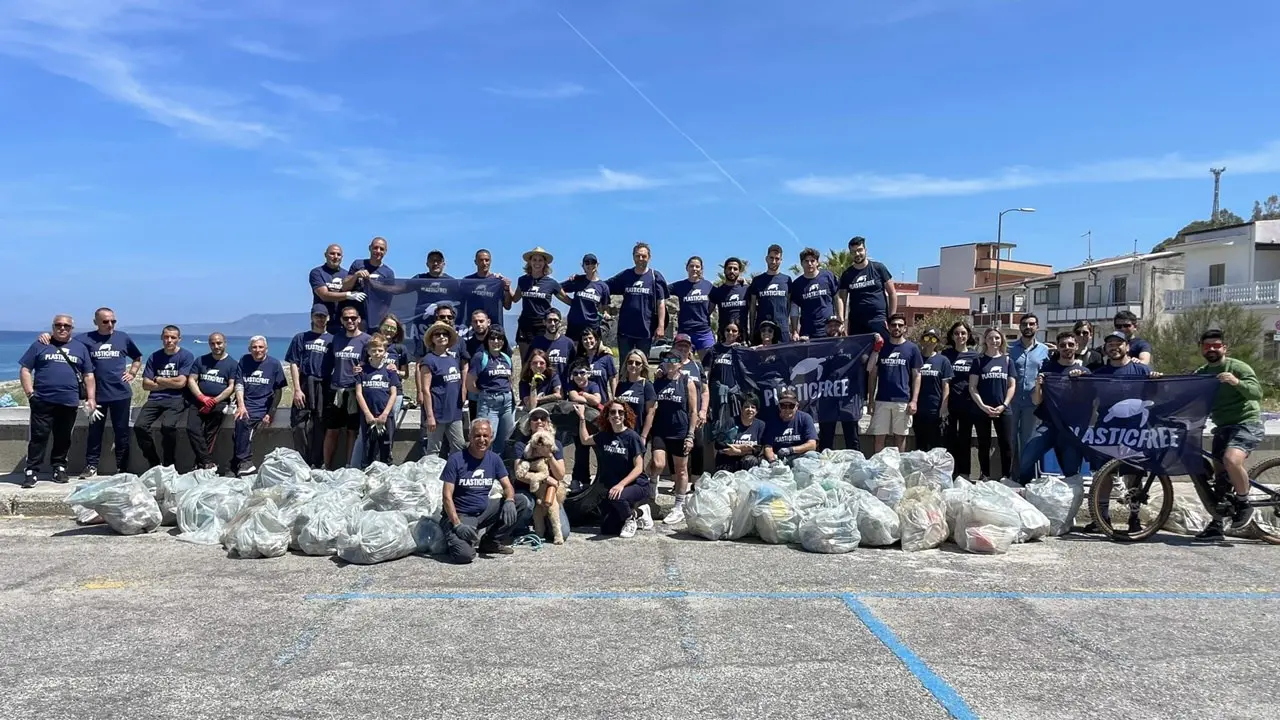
[366, 273]
[587, 296]
[675, 424]
[620, 468]
[740, 447]
[896, 382]
[165, 378]
[694, 296]
[489, 377]
[377, 387]
[643, 315]
[469, 475]
[258, 391]
[867, 292]
[935, 387]
[791, 432]
[729, 298]
[440, 375]
[211, 384]
[331, 286]
[1120, 361]
[1127, 322]
[539, 420]
[814, 295]
[635, 389]
[769, 298]
[52, 375]
[559, 348]
[1046, 437]
[116, 362]
[341, 410]
[534, 291]
[308, 358]
[991, 386]
[604, 370]
[539, 383]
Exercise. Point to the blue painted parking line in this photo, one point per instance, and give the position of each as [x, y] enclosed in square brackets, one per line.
[820, 595]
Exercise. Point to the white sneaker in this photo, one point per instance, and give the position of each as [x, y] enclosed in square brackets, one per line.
[645, 518]
[247, 472]
[676, 516]
[629, 527]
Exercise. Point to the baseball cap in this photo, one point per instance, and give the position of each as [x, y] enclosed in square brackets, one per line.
[931, 332]
[1115, 335]
[681, 338]
[589, 258]
[539, 413]
[320, 309]
[787, 394]
[435, 253]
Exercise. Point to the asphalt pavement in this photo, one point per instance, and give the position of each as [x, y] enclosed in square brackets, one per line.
[658, 626]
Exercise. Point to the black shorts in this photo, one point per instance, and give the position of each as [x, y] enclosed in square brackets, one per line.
[672, 446]
[529, 328]
[338, 418]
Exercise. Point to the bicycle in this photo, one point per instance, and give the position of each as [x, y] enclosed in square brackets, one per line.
[1145, 518]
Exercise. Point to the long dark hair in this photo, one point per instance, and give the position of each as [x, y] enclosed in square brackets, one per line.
[506, 344]
[951, 334]
[600, 348]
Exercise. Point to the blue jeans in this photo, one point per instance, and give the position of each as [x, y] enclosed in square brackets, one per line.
[1044, 440]
[499, 408]
[525, 501]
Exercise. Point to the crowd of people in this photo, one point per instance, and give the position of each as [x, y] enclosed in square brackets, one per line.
[349, 390]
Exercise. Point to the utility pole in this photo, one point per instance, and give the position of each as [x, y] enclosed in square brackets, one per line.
[1217, 184]
[1088, 235]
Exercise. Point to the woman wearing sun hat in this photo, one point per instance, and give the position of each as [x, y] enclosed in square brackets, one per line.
[534, 291]
[440, 371]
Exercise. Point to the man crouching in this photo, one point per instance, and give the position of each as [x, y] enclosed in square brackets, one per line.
[468, 477]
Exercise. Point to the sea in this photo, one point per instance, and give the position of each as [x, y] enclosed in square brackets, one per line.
[14, 343]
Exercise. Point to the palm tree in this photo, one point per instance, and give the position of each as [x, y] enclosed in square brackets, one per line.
[837, 261]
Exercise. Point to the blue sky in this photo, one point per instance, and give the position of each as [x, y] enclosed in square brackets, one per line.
[188, 160]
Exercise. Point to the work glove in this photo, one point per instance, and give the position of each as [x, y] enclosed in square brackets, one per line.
[785, 452]
[94, 416]
[466, 533]
[508, 515]
[356, 295]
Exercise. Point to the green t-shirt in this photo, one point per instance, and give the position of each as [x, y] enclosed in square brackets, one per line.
[1235, 404]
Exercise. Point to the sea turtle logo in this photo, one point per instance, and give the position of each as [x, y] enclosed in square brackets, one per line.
[638, 283]
[104, 347]
[1128, 408]
[806, 366]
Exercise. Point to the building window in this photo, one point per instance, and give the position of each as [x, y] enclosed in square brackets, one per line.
[1054, 292]
[1119, 288]
[919, 318]
[1094, 295]
[1077, 295]
[1040, 296]
[1217, 274]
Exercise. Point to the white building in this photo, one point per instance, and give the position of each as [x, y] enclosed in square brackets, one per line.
[1097, 290]
[1238, 264]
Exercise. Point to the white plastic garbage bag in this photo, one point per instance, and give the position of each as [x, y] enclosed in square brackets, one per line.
[934, 468]
[376, 468]
[877, 523]
[374, 536]
[349, 479]
[171, 486]
[810, 499]
[395, 490]
[805, 467]
[955, 498]
[429, 536]
[709, 510]
[322, 477]
[984, 519]
[830, 530]
[427, 471]
[774, 515]
[1189, 518]
[85, 515]
[154, 478]
[885, 479]
[122, 501]
[922, 515]
[1055, 498]
[986, 539]
[1033, 523]
[843, 456]
[323, 518]
[257, 530]
[281, 467]
[204, 510]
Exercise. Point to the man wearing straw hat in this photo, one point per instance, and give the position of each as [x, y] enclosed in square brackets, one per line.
[534, 291]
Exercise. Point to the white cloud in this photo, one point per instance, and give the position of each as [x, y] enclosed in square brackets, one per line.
[871, 186]
[603, 180]
[558, 91]
[309, 99]
[262, 49]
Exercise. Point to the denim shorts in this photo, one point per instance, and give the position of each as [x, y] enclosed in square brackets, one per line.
[1245, 437]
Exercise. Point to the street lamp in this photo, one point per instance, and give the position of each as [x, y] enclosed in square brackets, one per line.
[999, 235]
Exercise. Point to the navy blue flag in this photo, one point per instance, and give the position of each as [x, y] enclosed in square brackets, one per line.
[1153, 423]
[414, 301]
[829, 375]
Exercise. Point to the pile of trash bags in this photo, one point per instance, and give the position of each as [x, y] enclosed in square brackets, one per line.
[838, 500]
[363, 517]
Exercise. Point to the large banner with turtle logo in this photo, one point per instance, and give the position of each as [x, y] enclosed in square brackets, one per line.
[828, 375]
[1154, 423]
[414, 301]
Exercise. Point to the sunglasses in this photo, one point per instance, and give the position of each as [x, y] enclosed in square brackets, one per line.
[445, 318]
[671, 360]
[107, 322]
[440, 334]
[617, 413]
[581, 372]
[495, 340]
[63, 326]
[350, 319]
[1213, 345]
[1124, 326]
[897, 325]
[634, 363]
[788, 405]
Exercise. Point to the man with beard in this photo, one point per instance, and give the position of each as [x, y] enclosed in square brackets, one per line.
[560, 350]
[211, 383]
[1126, 322]
[341, 412]
[867, 292]
[894, 386]
[1046, 437]
[1119, 363]
[331, 285]
[1237, 419]
[729, 298]
[769, 298]
[643, 315]
[1026, 356]
[366, 272]
[791, 432]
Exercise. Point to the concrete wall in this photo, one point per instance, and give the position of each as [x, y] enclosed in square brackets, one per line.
[1236, 256]
[956, 270]
[929, 279]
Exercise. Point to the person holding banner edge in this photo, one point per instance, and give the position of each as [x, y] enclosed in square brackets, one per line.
[1046, 437]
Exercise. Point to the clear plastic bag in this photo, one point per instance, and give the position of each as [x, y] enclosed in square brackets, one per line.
[429, 536]
[375, 536]
[86, 516]
[321, 520]
[171, 486]
[1032, 523]
[122, 501]
[282, 466]
[395, 490]
[805, 467]
[155, 477]
[257, 530]
[877, 523]
[349, 479]
[986, 539]
[932, 469]
[709, 510]
[774, 515]
[1057, 500]
[204, 510]
[885, 479]
[830, 530]
[984, 519]
[922, 515]
[428, 471]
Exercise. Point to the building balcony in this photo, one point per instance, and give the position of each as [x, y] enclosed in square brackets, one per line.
[1092, 313]
[1266, 292]
[1003, 319]
[1014, 269]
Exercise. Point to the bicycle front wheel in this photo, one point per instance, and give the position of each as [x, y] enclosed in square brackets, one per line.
[1129, 503]
[1265, 477]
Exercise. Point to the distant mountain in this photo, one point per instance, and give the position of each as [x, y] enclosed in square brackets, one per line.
[277, 325]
